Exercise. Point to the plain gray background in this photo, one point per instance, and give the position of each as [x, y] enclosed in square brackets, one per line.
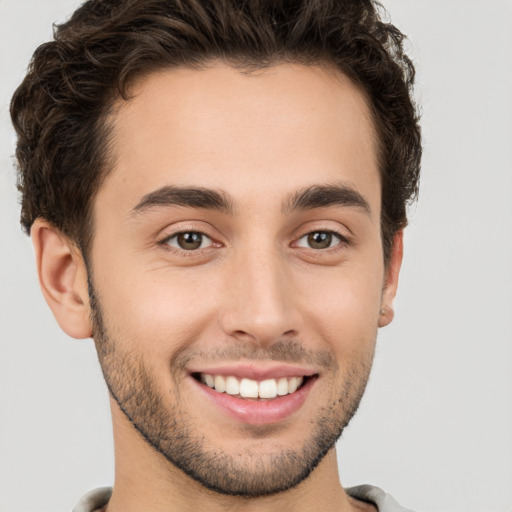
[435, 427]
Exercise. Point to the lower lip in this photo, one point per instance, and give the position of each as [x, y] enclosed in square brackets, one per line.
[259, 412]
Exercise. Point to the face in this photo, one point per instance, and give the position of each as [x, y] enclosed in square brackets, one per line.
[237, 271]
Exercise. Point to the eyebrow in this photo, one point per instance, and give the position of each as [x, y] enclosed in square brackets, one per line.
[321, 196]
[316, 196]
[194, 197]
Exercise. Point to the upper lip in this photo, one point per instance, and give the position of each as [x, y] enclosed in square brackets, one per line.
[255, 371]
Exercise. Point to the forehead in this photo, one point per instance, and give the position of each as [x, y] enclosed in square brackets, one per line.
[268, 132]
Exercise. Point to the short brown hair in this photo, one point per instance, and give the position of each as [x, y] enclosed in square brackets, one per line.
[60, 110]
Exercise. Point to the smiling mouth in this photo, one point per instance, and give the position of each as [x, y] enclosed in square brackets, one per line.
[250, 389]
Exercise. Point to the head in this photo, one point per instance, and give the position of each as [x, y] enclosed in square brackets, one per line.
[250, 152]
[62, 109]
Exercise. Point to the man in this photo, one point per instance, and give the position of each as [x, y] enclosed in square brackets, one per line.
[216, 193]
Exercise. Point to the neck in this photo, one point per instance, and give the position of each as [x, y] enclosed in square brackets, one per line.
[145, 480]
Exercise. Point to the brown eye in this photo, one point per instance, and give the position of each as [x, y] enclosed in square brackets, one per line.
[189, 241]
[319, 240]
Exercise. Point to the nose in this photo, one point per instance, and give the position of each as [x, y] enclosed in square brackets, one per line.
[259, 300]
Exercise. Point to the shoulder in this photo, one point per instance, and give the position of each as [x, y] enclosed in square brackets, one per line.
[383, 501]
[94, 500]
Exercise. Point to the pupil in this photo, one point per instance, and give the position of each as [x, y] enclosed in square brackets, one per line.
[320, 240]
[190, 240]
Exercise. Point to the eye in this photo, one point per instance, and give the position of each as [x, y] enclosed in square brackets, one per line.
[189, 241]
[320, 240]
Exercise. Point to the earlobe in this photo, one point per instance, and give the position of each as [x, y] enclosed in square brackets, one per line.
[387, 312]
[63, 278]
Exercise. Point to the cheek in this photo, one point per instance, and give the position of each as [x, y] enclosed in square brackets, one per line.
[154, 312]
[343, 306]
[158, 310]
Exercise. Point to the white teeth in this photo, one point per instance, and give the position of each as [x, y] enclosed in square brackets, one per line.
[268, 388]
[209, 380]
[220, 383]
[232, 386]
[282, 386]
[248, 388]
[294, 383]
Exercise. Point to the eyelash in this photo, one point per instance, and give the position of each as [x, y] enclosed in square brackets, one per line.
[342, 242]
[192, 252]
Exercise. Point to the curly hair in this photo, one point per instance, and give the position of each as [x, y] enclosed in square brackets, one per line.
[61, 109]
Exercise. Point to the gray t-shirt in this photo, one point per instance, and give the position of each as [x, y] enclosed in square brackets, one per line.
[384, 502]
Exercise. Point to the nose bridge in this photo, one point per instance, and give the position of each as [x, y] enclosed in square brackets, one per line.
[259, 305]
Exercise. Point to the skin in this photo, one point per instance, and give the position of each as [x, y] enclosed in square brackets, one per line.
[259, 138]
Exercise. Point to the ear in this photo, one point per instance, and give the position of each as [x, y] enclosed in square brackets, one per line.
[391, 280]
[63, 278]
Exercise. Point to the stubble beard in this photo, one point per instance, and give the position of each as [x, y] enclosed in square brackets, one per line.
[172, 434]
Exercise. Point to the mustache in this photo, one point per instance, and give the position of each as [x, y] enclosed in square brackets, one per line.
[282, 351]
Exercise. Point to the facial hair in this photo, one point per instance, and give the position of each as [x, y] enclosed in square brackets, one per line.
[171, 432]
